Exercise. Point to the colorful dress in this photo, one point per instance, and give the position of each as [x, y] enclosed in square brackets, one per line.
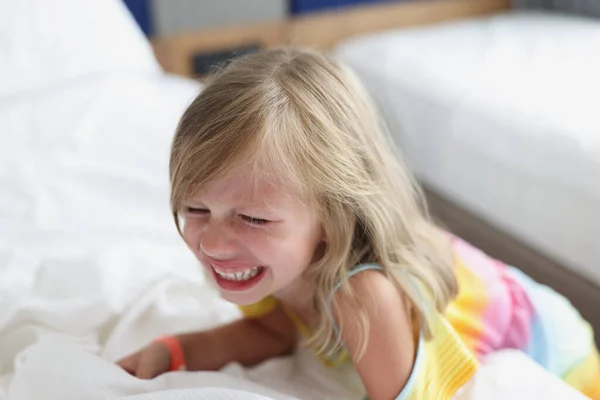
[497, 307]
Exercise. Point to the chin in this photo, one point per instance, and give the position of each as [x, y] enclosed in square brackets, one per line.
[240, 299]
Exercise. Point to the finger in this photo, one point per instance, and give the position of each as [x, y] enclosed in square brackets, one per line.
[147, 369]
[130, 363]
[153, 362]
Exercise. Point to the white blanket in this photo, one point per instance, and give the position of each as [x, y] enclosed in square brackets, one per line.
[78, 364]
[65, 337]
[91, 266]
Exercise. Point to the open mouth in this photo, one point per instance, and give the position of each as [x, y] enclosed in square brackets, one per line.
[239, 280]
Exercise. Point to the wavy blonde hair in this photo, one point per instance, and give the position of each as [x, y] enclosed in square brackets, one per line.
[301, 115]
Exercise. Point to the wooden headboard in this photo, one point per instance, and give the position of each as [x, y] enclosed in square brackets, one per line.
[320, 30]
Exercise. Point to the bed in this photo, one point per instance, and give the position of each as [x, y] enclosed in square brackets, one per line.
[498, 116]
[91, 266]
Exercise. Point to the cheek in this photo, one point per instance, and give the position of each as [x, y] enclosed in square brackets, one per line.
[266, 245]
[289, 251]
[261, 243]
[192, 230]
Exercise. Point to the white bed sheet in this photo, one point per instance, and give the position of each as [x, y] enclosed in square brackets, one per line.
[91, 266]
[502, 115]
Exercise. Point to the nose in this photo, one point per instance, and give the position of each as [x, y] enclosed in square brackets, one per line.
[218, 242]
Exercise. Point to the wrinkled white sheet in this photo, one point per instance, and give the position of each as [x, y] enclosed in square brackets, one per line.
[65, 337]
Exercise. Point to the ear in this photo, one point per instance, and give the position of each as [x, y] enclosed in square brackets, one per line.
[319, 252]
[323, 236]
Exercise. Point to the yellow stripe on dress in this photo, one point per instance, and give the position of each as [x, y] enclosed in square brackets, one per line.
[260, 309]
[448, 366]
[585, 376]
[465, 312]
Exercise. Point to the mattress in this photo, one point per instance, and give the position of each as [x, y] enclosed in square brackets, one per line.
[500, 115]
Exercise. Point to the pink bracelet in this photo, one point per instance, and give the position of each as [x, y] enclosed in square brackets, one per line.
[176, 350]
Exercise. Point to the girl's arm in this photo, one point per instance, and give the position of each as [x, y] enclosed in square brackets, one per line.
[390, 347]
[248, 342]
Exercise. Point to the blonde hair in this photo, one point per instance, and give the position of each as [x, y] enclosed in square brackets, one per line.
[307, 117]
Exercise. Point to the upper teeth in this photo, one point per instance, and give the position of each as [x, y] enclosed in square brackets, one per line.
[240, 275]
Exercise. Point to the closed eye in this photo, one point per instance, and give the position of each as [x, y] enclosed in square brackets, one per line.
[254, 221]
[199, 211]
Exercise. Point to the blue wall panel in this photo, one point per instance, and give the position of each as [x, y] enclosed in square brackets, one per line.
[142, 13]
[306, 6]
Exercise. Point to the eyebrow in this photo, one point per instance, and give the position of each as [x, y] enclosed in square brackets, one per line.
[242, 206]
[259, 207]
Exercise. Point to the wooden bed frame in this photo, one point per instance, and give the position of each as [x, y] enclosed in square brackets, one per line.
[324, 31]
[320, 30]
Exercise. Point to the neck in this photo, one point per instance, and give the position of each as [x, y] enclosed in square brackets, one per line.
[298, 297]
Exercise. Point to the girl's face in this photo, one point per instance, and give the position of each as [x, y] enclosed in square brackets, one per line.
[255, 238]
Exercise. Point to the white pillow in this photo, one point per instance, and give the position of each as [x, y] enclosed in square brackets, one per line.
[44, 42]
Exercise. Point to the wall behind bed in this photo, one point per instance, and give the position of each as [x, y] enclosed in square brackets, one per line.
[582, 7]
[193, 51]
[165, 17]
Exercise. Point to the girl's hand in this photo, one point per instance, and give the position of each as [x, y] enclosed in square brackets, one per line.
[247, 342]
[148, 363]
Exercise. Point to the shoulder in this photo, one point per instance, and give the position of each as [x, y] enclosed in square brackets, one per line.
[376, 328]
[373, 282]
[374, 292]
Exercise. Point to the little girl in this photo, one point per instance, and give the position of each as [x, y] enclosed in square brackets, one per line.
[288, 192]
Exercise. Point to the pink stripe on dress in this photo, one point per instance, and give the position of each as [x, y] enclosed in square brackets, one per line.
[507, 317]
